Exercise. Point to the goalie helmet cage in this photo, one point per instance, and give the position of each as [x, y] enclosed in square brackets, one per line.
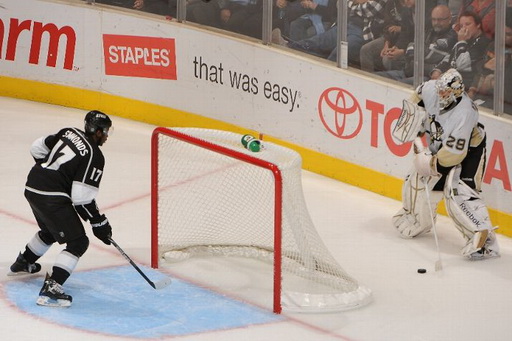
[213, 197]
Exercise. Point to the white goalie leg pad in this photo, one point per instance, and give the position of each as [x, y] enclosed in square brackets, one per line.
[471, 217]
[414, 218]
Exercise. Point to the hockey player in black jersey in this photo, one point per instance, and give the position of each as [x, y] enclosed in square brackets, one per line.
[61, 187]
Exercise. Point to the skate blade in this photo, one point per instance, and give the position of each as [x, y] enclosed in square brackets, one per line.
[49, 302]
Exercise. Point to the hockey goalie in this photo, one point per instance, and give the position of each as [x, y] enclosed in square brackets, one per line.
[451, 165]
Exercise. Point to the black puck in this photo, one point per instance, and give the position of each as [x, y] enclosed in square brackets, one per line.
[422, 271]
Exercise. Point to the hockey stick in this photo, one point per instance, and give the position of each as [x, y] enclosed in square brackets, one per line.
[418, 147]
[156, 285]
[438, 265]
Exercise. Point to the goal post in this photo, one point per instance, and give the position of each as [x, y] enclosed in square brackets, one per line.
[215, 148]
[210, 196]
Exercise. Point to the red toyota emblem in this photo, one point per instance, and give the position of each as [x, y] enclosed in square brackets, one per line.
[336, 108]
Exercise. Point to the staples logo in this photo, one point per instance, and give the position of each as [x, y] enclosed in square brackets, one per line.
[135, 56]
[39, 29]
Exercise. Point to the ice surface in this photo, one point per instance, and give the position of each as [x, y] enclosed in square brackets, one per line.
[231, 299]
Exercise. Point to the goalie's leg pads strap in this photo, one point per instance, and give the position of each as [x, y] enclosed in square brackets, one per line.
[414, 218]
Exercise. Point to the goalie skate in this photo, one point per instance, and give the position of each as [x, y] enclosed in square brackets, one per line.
[22, 267]
[483, 245]
[484, 253]
[52, 294]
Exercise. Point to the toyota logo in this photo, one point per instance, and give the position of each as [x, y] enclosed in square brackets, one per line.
[340, 113]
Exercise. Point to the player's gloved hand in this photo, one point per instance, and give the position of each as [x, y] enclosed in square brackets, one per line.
[101, 228]
[424, 162]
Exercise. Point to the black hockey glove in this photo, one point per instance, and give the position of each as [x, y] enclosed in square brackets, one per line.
[101, 228]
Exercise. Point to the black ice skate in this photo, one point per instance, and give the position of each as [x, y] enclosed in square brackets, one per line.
[22, 267]
[52, 294]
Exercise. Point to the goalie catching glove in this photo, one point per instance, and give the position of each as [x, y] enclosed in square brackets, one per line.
[101, 228]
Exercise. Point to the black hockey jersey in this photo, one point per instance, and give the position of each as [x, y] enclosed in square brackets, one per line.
[68, 164]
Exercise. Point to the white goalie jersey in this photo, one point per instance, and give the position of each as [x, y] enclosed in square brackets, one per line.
[451, 128]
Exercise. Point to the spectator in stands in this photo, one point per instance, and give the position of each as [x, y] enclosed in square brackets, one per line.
[482, 90]
[310, 17]
[439, 40]
[205, 12]
[246, 16]
[455, 7]
[365, 21]
[486, 10]
[321, 45]
[241, 16]
[365, 16]
[235, 13]
[283, 13]
[393, 55]
[469, 52]
[371, 52]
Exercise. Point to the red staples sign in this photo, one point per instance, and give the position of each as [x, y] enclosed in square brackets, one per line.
[135, 56]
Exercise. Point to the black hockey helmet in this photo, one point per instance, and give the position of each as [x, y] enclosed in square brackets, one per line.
[96, 120]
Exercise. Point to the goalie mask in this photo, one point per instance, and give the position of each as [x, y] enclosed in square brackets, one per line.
[450, 88]
[96, 120]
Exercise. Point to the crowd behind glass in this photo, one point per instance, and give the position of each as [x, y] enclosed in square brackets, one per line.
[376, 36]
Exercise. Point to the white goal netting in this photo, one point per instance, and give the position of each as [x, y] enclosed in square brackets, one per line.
[213, 197]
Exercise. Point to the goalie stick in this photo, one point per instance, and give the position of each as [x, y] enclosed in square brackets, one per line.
[156, 285]
[418, 145]
[439, 263]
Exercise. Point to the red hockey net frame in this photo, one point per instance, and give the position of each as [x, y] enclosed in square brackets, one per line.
[278, 195]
